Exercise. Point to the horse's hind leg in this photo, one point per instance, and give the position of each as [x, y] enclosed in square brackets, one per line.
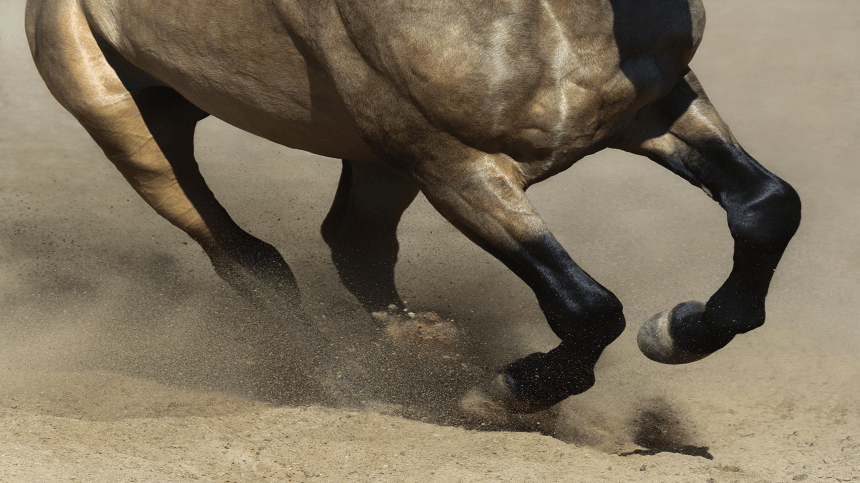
[147, 131]
[684, 133]
[361, 230]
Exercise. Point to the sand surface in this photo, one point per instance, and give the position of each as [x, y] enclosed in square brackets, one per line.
[124, 358]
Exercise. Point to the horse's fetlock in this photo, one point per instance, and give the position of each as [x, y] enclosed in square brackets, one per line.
[544, 379]
[752, 320]
[607, 316]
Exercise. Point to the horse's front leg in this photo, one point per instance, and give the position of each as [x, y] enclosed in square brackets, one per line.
[684, 133]
[484, 198]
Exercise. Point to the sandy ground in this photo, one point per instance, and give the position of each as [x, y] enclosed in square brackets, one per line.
[124, 358]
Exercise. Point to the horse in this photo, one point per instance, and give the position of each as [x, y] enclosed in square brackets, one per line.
[468, 102]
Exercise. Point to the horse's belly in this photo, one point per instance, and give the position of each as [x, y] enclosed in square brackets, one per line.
[283, 101]
[244, 69]
[319, 126]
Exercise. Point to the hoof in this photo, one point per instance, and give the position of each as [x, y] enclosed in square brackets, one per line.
[500, 393]
[494, 405]
[495, 415]
[655, 338]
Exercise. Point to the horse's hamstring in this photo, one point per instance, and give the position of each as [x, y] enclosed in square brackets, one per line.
[361, 231]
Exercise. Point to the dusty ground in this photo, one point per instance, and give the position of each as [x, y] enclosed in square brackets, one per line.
[124, 358]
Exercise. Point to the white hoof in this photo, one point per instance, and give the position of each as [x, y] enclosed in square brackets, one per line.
[656, 342]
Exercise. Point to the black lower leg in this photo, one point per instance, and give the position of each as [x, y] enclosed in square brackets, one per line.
[762, 219]
[545, 379]
[581, 312]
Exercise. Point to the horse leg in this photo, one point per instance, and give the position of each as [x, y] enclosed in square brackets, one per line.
[147, 131]
[485, 199]
[361, 230]
[684, 133]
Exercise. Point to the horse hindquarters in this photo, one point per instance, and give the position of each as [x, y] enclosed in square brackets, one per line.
[148, 134]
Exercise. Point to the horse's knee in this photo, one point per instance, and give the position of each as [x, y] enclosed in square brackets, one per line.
[765, 218]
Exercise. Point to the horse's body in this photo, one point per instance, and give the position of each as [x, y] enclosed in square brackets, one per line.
[469, 102]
